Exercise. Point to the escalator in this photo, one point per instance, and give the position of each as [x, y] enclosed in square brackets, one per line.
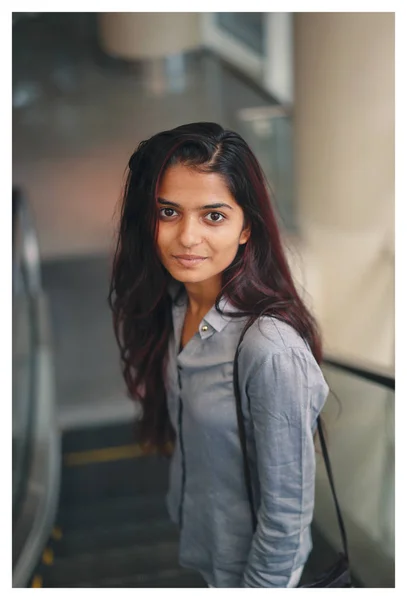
[112, 528]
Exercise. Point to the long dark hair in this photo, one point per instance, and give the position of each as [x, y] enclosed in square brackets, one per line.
[258, 282]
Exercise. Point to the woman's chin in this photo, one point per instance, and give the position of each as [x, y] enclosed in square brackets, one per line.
[187, 277]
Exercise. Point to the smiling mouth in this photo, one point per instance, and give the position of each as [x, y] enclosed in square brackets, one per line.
[190, 261]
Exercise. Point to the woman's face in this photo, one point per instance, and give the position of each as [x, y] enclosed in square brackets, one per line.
[200, 225]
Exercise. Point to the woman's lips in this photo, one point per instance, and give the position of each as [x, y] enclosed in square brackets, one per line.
[189, 262]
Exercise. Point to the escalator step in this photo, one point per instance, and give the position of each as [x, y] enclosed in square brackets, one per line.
[88, 483]
[88, 438]
[101, 538]
[112, 563]
[168, 578]
[144, 508]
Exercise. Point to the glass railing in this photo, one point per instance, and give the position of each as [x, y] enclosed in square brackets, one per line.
[359, 419]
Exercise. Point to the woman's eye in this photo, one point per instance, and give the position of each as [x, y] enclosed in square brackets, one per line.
[216, 217]
[167, 212]
[213, 217]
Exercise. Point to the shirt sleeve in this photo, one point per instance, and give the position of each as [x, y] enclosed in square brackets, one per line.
[285, 396]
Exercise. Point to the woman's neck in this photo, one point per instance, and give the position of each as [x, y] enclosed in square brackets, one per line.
[202, 296]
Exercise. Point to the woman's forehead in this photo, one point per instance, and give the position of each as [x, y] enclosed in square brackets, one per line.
[194, 188]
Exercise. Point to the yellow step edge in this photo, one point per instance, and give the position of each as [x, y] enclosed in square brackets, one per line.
[56, 533]
[48, 556]
[113, 453]
[36, 582]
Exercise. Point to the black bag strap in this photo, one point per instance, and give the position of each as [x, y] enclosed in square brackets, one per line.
[242, 435]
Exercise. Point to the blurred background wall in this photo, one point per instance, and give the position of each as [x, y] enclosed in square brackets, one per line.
[136, 36]
[344, 174]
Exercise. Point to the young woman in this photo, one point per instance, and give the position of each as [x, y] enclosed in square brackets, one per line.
[199, 255]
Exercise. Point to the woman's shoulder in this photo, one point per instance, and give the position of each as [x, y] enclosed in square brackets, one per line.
[272, 349]
[269, 336]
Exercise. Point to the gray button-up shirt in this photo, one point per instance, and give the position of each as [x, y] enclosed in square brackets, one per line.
[283, 391]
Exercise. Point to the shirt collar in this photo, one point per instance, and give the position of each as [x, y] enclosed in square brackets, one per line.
[215, 319]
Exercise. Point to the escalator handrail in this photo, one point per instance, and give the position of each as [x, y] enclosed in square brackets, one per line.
[22, 217]
[35, 505]
[368, 372]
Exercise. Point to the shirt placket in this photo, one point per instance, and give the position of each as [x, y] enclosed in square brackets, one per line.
[181, 443]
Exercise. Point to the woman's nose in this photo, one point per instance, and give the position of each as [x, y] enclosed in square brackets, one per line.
[190, 232]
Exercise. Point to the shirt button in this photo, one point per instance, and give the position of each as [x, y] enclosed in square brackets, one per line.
[204, 328]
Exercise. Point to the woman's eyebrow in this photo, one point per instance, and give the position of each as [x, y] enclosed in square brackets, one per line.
[206, 206]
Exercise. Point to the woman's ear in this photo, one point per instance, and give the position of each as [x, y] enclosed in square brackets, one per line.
[244, 236]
